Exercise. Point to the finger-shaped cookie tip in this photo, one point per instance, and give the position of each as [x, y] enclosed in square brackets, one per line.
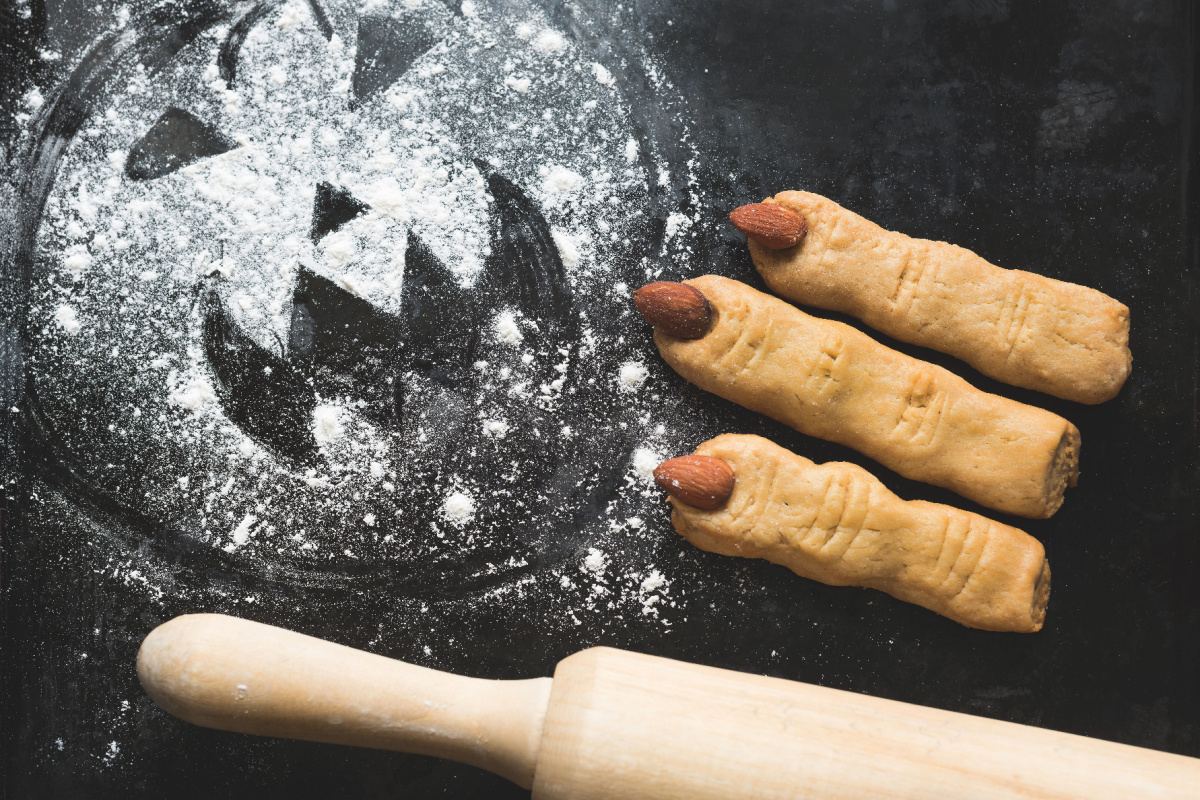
[674, 308]
[700, 481]
[773, 226]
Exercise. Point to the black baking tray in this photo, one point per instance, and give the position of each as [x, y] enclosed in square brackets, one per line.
[1056, 136]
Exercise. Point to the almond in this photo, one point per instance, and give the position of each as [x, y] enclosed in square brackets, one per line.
[674, 308]
[700, 481]
[772, 226]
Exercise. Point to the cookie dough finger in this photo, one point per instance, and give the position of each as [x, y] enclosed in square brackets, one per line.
[837, 524]
[1024, 329]
[834, 382]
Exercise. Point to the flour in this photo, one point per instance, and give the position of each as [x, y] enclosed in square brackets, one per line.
[676, 224]
[644, 462]
[507, 330]
[654, 582]
[559, 180]
[339, 247]
[568, 248]
[603, 76]
[632, 375]
[77, 260]
[496, 457]
[518, 85]
[241, 534]
[459, 508]
[652, 592]
[68, 319]
[495, 427]
[195, 397]
[33, 99]
[595, 563]
[550, 42]
[327, 424]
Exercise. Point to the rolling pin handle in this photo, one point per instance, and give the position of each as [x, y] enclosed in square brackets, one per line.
[233, 674]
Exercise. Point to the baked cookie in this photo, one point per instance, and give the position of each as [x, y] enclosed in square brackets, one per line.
[829, 380]
[1024, 329]
[837, 524]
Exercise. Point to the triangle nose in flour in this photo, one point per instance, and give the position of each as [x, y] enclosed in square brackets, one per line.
[175, 140]
[333, 208]
[387, 47]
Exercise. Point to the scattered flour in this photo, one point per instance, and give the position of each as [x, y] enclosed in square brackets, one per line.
[327, 424]
[195, 397]
[68, 319]
[595, 562]
[632, 375]
[559, 180]
[654, 582]
[459, 508]
[500, 86]
[518, 85]
[568, 249]
[644, 462]
[507, 330]
[339, 247]
[241, 534]
[677, 223]
[77, 260]
[603, 76]
[33, 99]
[652, 592]
[550, 42]
[496, 428]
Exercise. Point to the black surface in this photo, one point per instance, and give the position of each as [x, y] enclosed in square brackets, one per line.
[1052, 136]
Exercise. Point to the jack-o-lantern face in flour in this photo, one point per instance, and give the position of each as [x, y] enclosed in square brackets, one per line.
[314, 288]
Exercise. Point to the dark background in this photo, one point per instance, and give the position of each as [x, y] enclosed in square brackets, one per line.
[1051, 136]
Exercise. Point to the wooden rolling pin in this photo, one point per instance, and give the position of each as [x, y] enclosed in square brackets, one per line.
[620, 726]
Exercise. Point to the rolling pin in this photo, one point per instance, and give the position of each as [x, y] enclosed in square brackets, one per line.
[618, 725]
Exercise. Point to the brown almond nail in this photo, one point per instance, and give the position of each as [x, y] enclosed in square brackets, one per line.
[701, 481]
[772, 226]
[674, 308]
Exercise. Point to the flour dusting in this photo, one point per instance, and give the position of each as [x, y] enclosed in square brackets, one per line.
[459, 508]
[382, 326]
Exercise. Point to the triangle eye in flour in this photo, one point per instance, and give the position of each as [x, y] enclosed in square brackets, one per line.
[176, 139]
[387, 47]
[440, 318]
